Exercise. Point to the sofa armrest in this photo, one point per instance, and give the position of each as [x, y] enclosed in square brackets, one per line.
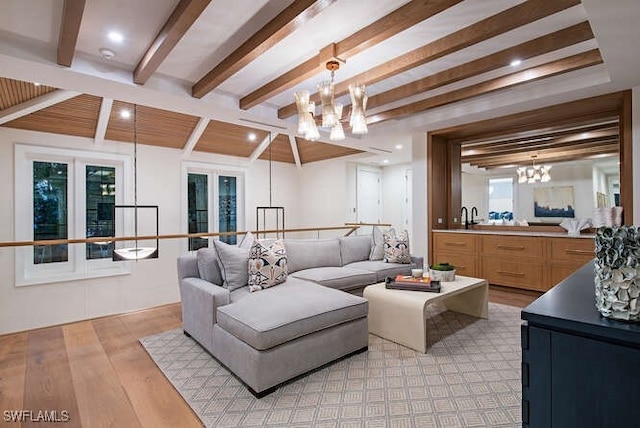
[200, 300]
[419, 261]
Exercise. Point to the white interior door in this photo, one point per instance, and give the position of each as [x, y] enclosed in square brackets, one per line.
[369, 195]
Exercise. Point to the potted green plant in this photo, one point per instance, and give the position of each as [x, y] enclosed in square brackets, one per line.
[442, 272]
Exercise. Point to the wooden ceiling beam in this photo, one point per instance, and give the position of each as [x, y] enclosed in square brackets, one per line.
[397, 21]
[69, 29]
[542, 141]
[542, 45]
[289, 20]
[182, 18]
[582, 112]
[550, 132]
[565, 65]
[495, 25]
[549, 156]
[590, 143]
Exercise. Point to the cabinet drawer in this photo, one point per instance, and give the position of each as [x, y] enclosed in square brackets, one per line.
[513, 246]
[576, 251]
[514, 273]
[454, 242]
[558, 273]
[465, 264]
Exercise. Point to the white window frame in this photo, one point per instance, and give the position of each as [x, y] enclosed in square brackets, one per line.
[213, 171]
[78, 266]
[514, 192]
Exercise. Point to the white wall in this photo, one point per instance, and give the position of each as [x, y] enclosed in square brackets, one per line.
[393, 195]
[151, 282]
[599, 184]
[475, 194]
[578, 177]
[419, 190]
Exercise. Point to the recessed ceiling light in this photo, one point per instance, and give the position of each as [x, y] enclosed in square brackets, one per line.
[252, 136]
[385, 161]
[398, 146]
[107, 53]
[125, 113]
[516, 62]
[115, 37]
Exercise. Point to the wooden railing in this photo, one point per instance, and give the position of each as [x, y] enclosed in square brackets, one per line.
[349, 227]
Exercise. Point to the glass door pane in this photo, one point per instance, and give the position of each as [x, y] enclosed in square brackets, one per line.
[198, 208]
[50, 211]
[100, 198]
[227, 208]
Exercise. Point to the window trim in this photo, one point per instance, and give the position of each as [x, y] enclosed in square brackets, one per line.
[514, 190]
[213, 171]
[77, 267]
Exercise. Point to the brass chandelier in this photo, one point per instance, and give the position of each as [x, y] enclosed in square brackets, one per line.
[331, 111]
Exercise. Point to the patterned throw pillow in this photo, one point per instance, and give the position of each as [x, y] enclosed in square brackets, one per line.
[267, 265]
[396, 248]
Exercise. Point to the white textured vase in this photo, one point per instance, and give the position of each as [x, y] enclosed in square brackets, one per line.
[617, 272]
[442, 275]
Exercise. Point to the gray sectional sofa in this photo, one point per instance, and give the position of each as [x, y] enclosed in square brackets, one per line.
[273, 335]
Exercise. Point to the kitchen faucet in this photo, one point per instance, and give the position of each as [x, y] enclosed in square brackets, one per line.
[473, 209]
[466, 216]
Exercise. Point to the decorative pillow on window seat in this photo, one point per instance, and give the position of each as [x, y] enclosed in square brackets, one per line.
[267, 265]
[396, 247]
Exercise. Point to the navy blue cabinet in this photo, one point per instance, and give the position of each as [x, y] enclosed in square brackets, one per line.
[579, 369]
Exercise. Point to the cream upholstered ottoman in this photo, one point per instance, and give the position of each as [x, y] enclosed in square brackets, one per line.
[400, 315]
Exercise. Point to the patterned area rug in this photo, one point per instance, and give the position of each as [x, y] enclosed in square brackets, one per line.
[470, 377]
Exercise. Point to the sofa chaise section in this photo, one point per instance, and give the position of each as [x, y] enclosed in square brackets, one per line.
[271, 336]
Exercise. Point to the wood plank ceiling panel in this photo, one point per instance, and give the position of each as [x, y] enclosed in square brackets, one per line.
[14, 92]
[155, 127]
[77, 116]
[228, 139]
[587, 110]
[280, 150]
[315, 151]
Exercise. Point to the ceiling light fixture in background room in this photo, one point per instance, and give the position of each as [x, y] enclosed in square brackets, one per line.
[331, 111]
[534, 173]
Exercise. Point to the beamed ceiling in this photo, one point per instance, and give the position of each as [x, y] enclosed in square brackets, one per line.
[203, 75]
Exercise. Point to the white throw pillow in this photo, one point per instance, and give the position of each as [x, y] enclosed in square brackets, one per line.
[377, 243]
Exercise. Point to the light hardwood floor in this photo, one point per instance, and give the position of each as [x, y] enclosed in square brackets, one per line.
[99, 373]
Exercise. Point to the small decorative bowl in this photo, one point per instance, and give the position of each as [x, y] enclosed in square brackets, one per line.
[442, 275]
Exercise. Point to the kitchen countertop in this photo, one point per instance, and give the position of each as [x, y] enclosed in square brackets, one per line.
[515, 232]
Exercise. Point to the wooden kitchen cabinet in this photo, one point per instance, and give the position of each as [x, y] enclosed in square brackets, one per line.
[567, 255]
[458, 249]
[514, 260]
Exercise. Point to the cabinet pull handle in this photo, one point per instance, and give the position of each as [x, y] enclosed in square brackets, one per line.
[581, 252]
[507, 273]
[455, 244]
[511, 247]
[461, 267]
